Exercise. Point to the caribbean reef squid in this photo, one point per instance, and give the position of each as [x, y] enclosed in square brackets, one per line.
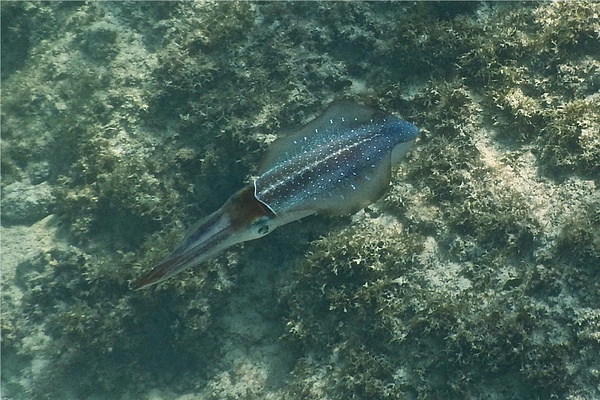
[336, 164]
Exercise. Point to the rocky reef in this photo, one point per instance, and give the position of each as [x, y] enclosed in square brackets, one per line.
[476, 276]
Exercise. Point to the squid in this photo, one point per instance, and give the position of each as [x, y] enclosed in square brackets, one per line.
[337, 164]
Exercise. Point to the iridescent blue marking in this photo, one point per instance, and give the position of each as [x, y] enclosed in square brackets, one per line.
[341, 164]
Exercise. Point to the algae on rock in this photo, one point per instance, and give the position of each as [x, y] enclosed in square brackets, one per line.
[476, 276]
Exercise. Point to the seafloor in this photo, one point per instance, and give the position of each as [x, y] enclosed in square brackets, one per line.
[477, 276]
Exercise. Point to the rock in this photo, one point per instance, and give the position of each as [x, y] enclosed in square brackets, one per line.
[24, 203]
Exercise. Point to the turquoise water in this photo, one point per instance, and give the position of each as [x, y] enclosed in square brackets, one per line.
[475, 276]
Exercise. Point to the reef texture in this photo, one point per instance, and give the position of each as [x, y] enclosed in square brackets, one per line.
[476, 276]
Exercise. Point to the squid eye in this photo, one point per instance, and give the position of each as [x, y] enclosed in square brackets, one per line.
[263, 230]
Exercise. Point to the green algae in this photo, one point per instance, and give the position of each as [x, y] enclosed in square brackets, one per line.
[475, 276]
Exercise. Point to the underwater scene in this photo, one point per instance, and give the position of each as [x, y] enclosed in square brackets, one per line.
[469, 270]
